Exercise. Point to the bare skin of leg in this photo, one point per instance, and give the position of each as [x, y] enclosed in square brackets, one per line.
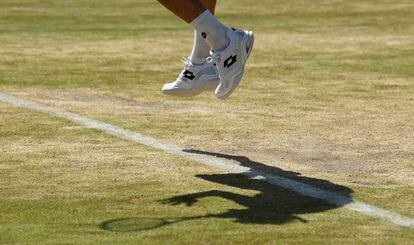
[188, 10]
[210, 5]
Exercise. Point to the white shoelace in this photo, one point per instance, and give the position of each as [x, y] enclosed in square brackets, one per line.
[186, 61]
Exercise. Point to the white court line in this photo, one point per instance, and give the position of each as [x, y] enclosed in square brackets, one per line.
[226, 165]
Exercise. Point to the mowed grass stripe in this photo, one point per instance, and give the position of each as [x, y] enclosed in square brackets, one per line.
[304, 189]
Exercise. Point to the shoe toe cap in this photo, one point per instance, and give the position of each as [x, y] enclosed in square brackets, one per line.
[168, 86]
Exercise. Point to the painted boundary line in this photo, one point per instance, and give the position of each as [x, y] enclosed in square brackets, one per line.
[225, 165]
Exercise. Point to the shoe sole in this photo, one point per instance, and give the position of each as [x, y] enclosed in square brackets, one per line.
[193, 92]
[250, 39]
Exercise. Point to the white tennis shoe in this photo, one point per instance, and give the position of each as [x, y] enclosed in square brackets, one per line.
[231, 61]
[193, 80]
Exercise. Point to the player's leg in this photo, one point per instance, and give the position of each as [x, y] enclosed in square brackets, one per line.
[197, 76]
[187, 10]
[230, 48]
[201, 49]
[198, 16]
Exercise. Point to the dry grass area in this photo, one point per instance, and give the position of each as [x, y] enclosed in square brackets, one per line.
[328, 93]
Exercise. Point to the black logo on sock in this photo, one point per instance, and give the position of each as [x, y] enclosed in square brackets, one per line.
[204, 35]
[189, 75]
[230, 61]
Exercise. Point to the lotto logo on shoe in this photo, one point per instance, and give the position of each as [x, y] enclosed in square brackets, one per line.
[204, 35]
[189, 75]
[230, 61]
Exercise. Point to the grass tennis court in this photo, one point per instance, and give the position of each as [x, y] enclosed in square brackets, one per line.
[327, 100]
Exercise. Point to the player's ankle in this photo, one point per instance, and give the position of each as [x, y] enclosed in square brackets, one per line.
[197, 60]
[212, 30]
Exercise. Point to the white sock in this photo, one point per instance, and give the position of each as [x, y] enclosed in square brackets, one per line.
[212, 30]
[201, 50]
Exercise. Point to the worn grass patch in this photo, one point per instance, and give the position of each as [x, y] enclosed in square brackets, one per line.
[327, 100]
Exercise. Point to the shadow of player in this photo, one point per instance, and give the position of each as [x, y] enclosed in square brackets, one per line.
[272, 205]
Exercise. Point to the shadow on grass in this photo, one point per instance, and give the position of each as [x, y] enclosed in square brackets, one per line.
[272, 205]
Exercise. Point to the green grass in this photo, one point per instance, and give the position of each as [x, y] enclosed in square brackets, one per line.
[327, 100]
